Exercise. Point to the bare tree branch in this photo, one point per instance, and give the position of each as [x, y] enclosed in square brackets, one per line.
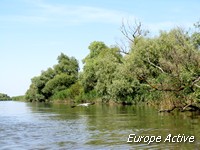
[155, 65]
[122, 47]
[159, 87]
[131, 32]
[137, 31]
[198, 86]
[125, 32]
[195, 81]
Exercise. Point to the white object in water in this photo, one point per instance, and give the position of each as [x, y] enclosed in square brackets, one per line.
[84, 104]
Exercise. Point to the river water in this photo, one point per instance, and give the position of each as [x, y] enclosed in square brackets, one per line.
[58, 126]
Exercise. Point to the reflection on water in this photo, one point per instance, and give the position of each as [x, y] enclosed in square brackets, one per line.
[58, 126]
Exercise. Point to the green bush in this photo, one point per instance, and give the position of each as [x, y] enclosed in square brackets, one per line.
[86, 97]
[4, 97]
[68, 94]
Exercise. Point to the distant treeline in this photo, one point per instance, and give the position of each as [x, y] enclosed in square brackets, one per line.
[4, 97]
[162, 70]
[19, 98]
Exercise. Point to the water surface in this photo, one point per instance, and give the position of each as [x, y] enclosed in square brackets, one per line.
[58, 126]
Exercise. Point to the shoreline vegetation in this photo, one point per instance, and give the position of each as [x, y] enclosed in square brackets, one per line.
[162, 71]
[4, 97]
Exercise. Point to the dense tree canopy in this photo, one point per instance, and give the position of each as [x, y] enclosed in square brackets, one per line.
[53, 80]
[164, 69]
[89, 77]
[158, 67]
[99, 68]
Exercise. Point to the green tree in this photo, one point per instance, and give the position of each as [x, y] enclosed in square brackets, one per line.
[170, 63]
[53, 80]
[106, 64]
[67, 65]
[160, 67]
[4, 96]
[99, 68]
[35, 93]
[196, 35]
[89, 78]
[164, 69]
[58, 83]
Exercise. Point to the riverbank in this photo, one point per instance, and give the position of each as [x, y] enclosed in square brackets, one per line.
[166, 105]
[19, 98]
[4, 97]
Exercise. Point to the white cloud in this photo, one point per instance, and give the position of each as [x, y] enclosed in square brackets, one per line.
[42, 12]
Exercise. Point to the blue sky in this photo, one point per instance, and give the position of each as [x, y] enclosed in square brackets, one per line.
[34, 32]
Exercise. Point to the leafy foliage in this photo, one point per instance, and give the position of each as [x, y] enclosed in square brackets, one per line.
[4, 96]
[53, 80]
[157, 66]
[153, 70]
[89, 77]
[99, 69]
[19, 98]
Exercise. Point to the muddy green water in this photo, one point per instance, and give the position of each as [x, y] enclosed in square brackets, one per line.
[58, 126]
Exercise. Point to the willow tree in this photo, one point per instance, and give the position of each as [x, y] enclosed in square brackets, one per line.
[163, 69]
[88, 77]
[53, 80]
[99, 68]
